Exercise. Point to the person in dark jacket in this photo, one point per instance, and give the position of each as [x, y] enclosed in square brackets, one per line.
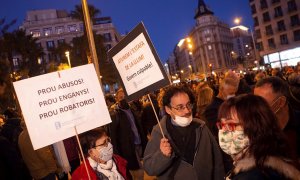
[187, 150]
[276, 92]
[249, 133]
[148, 118]
[127, 135]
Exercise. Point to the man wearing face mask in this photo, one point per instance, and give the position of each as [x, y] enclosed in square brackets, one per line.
[275, 91]
[189, 150]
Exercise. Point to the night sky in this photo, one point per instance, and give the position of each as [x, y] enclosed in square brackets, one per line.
[167, 21]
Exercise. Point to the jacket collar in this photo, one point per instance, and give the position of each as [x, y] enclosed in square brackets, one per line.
[280, 165]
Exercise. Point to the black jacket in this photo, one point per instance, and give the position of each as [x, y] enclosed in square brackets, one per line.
[123, 139]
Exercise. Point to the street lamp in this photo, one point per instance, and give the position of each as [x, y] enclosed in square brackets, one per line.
[67, 53]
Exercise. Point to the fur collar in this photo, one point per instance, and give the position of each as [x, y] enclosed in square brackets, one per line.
[276, 163]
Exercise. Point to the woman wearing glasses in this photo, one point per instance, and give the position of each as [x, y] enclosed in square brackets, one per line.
[101, 162]
[249, 133]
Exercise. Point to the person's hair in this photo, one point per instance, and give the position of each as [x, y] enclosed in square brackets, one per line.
[174, 90]
[89, 138]
[230, 82]
[204, 96]
[277, 84]
[110, 98]
[2, 82]
[259, 124]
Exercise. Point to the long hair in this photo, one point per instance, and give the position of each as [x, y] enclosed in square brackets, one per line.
[259, 124]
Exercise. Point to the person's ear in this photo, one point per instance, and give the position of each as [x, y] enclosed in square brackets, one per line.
[168, 110]
[282, 101]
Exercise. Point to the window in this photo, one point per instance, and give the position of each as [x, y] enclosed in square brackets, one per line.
[50, 44]
[295, 20]
[281, 25]
[271, 43]
[253, 9]
[269, 30]
[284, 39]
[259, 46]
[266, 17]
[81, 27]
[275, 1]
[297, 35]
[60, 41]
[35, 33]
[258, 34]
[72, 28]
[278, 12]
[59, 29]
[107, 37]
[292, 6]
[263, 4]
[47, 31]
[256, 23]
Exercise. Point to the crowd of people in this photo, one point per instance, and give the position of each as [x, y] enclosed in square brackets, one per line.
[236, 126]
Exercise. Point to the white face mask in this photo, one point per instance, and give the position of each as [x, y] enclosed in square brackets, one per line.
[230, 96]
[182, 121]
[233, 142]
[106, 153]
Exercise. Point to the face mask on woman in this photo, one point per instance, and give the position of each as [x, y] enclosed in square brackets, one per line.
[233, 142]
[106, 153]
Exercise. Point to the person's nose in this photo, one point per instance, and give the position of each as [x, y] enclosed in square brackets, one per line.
[187, 110]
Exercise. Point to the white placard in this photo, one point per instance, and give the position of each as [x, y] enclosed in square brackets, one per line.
[137, 66]
[52, 104]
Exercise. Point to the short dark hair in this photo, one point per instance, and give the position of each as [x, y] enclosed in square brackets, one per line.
[259, 124]
[89, 138]
[277, 84]
[173, 90]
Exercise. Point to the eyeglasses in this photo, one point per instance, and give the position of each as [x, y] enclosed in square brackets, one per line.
[103, 145]
[227, 126]
[181, 108]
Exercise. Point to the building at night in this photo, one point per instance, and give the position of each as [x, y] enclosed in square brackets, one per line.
[212, 42]
[243, 47]
[277, 31]
[52, 27]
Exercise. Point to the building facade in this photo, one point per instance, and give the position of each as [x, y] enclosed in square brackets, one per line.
[243, 47]
[212, 41]
[52, 27]
[277, 31]
[184, 59]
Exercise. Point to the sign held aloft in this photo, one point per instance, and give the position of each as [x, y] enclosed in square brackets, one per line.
[54, 103]
[138, 64]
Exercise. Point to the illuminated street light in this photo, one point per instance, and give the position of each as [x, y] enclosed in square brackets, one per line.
[67, 53]
[237, 20]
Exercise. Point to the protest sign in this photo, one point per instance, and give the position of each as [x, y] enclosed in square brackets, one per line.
[138, 64]
[54, 103]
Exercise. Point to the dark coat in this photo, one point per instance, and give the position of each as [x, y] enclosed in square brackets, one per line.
[275, 168]
[211, 115]
[123, 139]
[207, 163]
[10, 162]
